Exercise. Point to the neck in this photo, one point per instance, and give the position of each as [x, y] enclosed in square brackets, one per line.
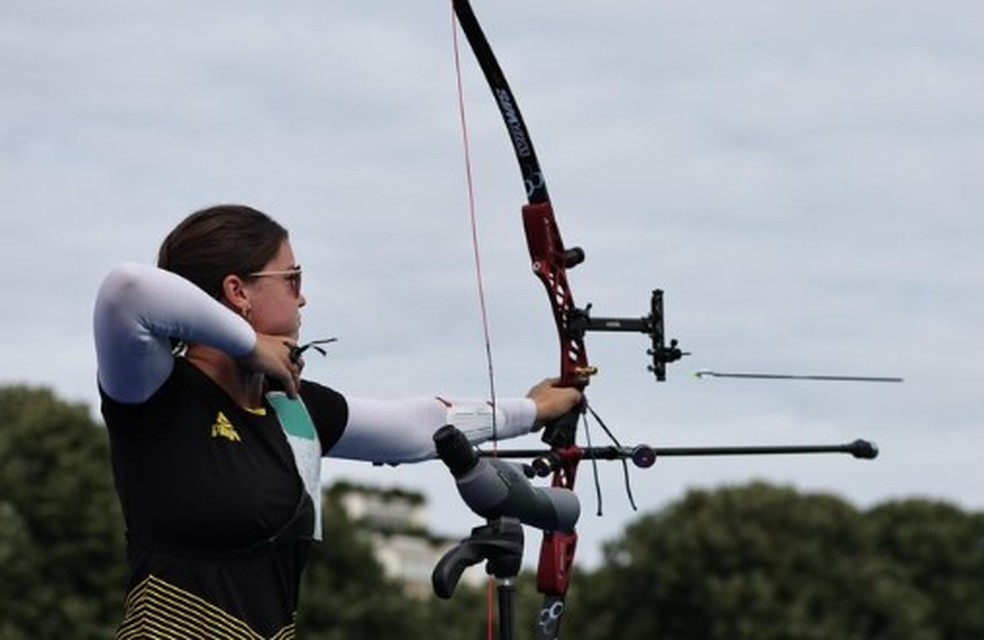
[244, 386]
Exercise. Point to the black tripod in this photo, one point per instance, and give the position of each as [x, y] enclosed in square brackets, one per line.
[500, 544]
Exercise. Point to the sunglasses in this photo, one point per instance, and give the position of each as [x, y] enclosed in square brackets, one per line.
[292, 276]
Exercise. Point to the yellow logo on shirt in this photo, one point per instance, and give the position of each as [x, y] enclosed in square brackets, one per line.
[224, 429]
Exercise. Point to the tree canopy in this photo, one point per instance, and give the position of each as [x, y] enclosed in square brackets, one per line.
[61, 533]
[760, 562]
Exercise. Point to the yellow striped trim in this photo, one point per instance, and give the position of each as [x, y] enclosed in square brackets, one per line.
[156, 609]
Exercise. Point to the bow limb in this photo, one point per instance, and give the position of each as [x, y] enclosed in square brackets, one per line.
[549, 257]
[550, 261]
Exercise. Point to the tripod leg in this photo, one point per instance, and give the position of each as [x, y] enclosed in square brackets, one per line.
[507, 608]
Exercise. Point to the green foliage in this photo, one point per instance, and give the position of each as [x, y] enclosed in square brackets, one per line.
[61, 546]
[750, 562]
[939, 548]
[761, 562]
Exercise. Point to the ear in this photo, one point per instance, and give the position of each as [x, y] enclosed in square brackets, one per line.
[235, 295]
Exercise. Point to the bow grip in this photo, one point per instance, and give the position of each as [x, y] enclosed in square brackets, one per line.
[560, 433]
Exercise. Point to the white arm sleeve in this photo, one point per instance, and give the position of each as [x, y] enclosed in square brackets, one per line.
[138, 310]
[403, 430]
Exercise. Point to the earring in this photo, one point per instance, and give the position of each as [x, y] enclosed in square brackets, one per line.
[245, 312]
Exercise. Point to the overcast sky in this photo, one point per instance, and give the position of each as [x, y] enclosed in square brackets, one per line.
[802, 178]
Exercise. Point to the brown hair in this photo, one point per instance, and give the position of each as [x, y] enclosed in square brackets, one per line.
[218, 241]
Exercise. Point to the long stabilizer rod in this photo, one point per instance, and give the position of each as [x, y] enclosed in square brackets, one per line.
[645, 456]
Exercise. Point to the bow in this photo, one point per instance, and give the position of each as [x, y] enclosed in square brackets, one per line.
[550, 261]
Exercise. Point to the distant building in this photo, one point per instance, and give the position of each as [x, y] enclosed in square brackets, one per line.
[395, 523]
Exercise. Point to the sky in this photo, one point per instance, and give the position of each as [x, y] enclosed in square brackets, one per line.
[802, 179]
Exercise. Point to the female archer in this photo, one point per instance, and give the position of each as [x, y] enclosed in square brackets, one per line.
[216, 439]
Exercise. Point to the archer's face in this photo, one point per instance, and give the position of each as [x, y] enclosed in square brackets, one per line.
[275, 295]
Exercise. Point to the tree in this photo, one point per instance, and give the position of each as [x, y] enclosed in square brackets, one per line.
[754, 562]
[940, 550]
[61, 540]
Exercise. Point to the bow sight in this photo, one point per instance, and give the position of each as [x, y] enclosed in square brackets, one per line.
[580, 321]
[551, 261]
